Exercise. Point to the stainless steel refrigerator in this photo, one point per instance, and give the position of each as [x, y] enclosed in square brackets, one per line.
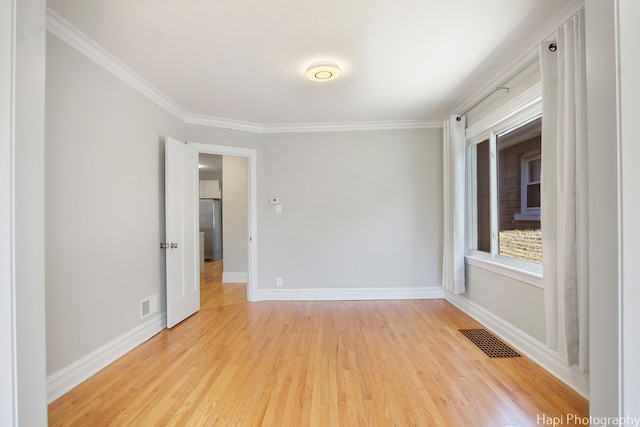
[211, 224]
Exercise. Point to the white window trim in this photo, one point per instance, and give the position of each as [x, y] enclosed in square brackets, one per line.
[518, 110]
[523, 271]
[493, 195]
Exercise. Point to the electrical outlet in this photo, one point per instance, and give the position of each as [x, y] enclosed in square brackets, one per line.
[148, 306]
[278, 281]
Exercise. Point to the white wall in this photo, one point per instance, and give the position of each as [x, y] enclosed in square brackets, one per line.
[603, 207]
[8, 400]
[518, 303]
[221, 136]
[629, 90]
[235, 218]
[359, 209]
[22, 72]
[613, 41]
[104, 204]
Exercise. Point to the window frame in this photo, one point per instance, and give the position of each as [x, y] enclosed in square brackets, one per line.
[521, 109]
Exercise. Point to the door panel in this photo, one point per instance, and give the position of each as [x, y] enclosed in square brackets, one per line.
[181, 221]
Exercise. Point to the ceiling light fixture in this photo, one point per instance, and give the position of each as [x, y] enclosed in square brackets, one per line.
[323, 72]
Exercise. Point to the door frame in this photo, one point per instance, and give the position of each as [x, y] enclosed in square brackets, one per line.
[252, 158]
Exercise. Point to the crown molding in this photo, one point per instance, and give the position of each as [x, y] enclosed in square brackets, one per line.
[350, 126]
[199, 119]
[532, 55]
[75, 38]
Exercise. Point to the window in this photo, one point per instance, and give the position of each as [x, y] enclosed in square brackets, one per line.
[531, 167]
[504, 181]
[519, 178]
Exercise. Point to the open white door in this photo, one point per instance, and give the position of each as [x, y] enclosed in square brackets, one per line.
[181, 219]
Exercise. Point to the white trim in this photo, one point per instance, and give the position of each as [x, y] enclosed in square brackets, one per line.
[351, 126]
[487, 90]
[199, 119]
[8, 345]
[549, 27]
[234, 277]
[622, 331]
[223, 150]
[75, 38]
[547, 358]
[493, 195]
[203, 120]
[252, 169]
[523, 271]
[510, 114]
[349, 294]
[471, 234]
[527, 217]
[69, 377]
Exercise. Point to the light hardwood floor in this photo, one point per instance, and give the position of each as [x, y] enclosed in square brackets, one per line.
[347, 363]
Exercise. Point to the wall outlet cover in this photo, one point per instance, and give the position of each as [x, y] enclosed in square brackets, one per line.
[148, 306]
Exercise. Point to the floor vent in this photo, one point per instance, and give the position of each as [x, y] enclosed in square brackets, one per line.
[488, 343]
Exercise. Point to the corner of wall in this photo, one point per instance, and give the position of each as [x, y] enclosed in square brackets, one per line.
[547, 358]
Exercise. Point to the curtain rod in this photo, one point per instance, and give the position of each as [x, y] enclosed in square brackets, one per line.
[530, 57]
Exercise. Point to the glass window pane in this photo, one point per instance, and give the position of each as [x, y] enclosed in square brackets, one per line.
[519, 234]
[483, 197]
[534, 170]
[533, 196]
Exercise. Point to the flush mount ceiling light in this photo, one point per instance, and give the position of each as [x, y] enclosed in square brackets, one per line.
[323, 72]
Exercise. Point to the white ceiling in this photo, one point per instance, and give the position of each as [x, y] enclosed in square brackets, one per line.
[245, 59]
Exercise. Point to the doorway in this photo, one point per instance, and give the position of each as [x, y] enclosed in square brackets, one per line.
[210, 213]
[250, 233]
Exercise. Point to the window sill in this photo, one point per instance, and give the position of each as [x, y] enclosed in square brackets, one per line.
[522, 271]
[526, 217]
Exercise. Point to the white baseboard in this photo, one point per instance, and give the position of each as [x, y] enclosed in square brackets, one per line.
[67, 378]
[231, 277]
[348, 294]
[544, 356]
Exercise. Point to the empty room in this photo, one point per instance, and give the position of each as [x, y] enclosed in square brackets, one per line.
[415, 213]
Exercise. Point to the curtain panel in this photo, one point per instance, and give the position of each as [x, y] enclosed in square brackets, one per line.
[564, 192]
[454, 166]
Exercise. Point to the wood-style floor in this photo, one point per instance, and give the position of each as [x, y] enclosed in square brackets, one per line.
[347, 363]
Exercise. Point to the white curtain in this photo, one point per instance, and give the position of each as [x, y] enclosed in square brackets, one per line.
[564, 192]
[454, 196]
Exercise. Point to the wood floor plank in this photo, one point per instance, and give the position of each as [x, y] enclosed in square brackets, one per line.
[321, 363]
